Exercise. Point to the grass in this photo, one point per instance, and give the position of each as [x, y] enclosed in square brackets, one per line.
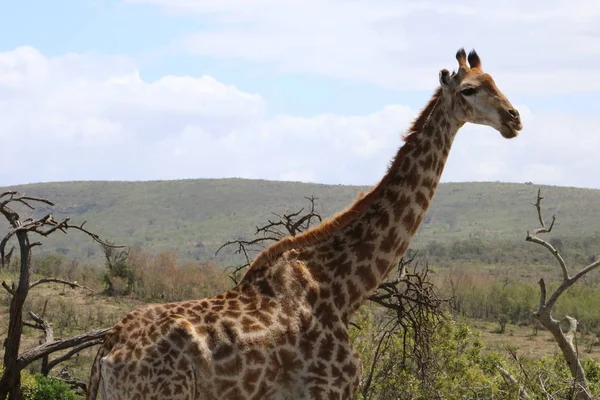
[71, 311]
[74, 311]
[529, 344]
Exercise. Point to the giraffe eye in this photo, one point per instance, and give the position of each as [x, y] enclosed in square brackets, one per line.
[468, 91]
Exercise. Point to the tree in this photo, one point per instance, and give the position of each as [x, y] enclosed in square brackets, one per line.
[21, 229]
[119, 278]
[562, 331]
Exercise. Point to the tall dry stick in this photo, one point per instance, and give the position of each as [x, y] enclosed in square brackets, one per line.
[565, 335]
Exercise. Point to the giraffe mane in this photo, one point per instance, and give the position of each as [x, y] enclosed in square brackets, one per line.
[419, 122]
[344, 217]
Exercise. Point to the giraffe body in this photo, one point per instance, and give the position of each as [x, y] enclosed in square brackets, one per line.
[271, 335]
[282, 333]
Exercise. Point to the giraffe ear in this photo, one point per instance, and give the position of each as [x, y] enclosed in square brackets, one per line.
[445, 78]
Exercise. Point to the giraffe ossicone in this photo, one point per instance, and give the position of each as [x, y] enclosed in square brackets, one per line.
[282, 333]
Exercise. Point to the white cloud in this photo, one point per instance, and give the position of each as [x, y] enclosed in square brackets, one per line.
[532, 47]
[93, 117]
[90, 117]
[553, 148]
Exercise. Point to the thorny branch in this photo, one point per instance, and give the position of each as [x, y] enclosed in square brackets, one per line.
[293, 223]
[408, 289]
[382, 346]
[413, 308]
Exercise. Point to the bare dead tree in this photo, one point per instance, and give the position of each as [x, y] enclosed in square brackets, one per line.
[21, 229]
[563, 335]
[274, 230]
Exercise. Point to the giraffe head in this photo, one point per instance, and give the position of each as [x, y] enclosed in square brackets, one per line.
[476, 98]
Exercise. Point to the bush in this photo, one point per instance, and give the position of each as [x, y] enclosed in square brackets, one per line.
[453, 367]
[29, 386]
[40, 387]
[49, 388]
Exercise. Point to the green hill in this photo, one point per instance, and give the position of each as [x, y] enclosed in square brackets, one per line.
[195, 217]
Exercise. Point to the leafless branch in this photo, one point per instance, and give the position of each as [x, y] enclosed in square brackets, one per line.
[32, 326]
[7, 193]
[27, 357]
[74, 383]
[74, 351]
[515, 357]
[547, 395]
[368, 380]
[511, 380]
[73, 285]
[13, 196]
[43, 325]
[542, 285]
[543, 229]
[5, 261]
[46, 327]
[287, 224]
[8, 288]
[407, 290]
[44, 226]
[538, 207]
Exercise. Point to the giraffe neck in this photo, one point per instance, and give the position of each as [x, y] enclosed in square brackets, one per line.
[353, 261]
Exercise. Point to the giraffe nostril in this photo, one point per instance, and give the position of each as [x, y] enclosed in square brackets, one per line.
[513, 113]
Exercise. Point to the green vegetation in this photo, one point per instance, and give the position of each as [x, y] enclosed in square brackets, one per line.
[194, 217]
[506, 299]
[49, 388]
[460, 361]
[473, 239]
[459, 365]
[40, 387]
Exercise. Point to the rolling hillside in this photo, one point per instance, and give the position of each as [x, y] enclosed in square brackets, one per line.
[194, 217]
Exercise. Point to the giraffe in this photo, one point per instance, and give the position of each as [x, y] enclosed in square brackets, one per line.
[282, 332]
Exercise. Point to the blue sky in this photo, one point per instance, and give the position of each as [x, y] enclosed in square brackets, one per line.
[145, 32]
[293, 90]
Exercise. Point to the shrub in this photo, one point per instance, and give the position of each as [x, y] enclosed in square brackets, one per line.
[49, 388]
[29, 386]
